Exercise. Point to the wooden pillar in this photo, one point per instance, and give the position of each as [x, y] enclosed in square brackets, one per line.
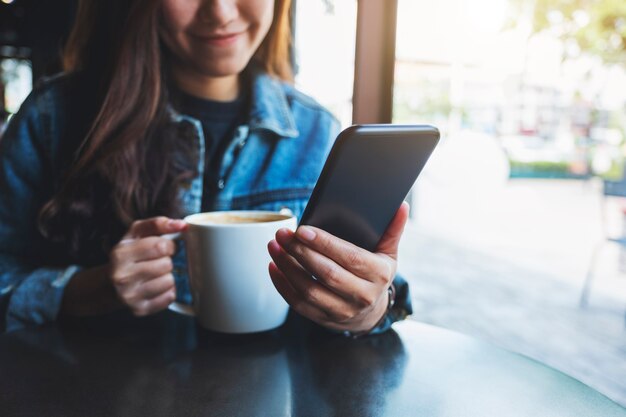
[374, 61]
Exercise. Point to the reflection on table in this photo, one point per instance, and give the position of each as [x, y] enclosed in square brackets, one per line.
[165, 365]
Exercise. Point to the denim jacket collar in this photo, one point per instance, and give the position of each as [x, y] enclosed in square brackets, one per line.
[269, 107]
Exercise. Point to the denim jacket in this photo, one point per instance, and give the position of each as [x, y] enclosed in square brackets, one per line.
[272, 162]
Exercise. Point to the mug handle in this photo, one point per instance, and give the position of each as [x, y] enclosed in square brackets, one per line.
[178, 307]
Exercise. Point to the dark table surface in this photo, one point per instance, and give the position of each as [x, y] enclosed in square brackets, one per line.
[164, 365]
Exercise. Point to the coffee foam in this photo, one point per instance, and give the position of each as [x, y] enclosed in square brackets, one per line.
[233, 218]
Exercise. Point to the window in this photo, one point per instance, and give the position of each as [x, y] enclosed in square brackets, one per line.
[16, 78]
[507, 211]
[15, 81]
[325, 33]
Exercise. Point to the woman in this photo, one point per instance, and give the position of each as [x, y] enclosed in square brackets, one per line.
[168, 108]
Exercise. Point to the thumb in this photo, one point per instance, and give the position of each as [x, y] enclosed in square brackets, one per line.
[391, 238]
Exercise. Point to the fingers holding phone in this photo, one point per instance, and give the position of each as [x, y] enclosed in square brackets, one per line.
[337, 267]
[333, 282]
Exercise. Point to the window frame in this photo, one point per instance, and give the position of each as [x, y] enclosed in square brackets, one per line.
[375, 59]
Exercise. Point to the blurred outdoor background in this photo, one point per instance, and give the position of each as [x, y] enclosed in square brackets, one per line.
[530, 97]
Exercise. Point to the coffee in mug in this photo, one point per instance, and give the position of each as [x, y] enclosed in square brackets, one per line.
[230, 217]
[227, 261]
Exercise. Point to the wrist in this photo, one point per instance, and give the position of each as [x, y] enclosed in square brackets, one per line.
[384, 306]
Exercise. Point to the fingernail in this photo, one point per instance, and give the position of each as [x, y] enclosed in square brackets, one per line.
[283, 235]
[306, 233]
[273, 247]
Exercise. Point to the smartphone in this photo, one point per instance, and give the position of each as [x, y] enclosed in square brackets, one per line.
[368, 173]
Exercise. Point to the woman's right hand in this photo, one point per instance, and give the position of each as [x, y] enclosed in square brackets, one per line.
[141, 265]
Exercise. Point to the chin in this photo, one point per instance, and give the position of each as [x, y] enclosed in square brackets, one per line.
[223, 69]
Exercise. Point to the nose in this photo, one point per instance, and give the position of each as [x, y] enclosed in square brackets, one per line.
[218, 12]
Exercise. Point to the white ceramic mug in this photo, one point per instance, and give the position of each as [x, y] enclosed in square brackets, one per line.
[228, 270]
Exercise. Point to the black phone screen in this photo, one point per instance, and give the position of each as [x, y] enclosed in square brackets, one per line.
[368, 173]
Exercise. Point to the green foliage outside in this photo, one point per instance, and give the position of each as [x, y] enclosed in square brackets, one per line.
[616, 171]
[596, 26]
[542, 169]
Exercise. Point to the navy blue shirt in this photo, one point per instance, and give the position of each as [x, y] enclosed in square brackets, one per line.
[219, 121]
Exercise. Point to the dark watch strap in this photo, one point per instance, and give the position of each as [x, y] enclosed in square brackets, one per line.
[398, 308]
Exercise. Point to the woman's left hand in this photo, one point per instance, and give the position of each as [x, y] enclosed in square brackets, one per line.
[333, 282]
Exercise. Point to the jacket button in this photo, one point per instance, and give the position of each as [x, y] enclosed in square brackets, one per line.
[221, 184]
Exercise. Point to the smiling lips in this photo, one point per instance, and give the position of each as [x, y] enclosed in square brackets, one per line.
[218, 39]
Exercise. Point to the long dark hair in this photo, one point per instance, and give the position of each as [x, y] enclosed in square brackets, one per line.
[132, 161]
